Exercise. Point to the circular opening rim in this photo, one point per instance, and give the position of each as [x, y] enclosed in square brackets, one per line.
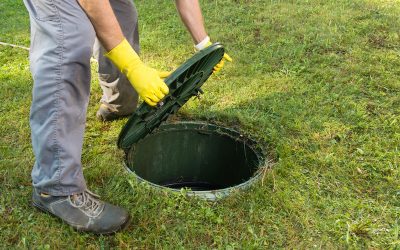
[213, 194]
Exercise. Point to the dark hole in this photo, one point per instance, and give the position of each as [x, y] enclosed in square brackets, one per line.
[193, 157]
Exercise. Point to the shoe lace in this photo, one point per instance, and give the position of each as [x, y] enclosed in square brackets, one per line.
[87, 201]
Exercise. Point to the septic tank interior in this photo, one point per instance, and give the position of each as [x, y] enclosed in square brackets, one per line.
[209, 160]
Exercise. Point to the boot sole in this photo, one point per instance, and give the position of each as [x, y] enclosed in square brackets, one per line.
[119, 228]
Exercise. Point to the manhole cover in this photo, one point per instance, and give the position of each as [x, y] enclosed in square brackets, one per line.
[209, 160]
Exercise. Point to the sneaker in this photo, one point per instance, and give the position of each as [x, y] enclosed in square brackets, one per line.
[84, 212]
[105, 114]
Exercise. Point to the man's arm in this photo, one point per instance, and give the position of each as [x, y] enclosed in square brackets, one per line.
[191, 16]
[145, 80]
[104, 22]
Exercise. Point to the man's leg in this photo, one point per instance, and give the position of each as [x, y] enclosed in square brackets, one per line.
[61, 41]
[119, 97]
[61, 46]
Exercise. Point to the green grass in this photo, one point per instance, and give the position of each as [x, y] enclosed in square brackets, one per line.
[317, 81]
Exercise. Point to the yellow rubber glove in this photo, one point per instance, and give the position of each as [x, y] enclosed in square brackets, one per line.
[164, 74]
[204, 44]
[145, 80]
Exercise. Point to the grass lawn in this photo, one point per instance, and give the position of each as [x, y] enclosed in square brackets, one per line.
[318, 81]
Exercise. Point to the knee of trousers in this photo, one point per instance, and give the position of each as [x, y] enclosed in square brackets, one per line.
[60, 64]
[53, 57]
[78, 47]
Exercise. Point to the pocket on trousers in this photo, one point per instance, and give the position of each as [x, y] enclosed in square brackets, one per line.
[44, 10]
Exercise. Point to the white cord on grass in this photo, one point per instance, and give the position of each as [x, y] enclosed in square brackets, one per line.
[26, 48]
[14, 46]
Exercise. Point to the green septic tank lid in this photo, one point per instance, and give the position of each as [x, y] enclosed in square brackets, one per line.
[183, 83]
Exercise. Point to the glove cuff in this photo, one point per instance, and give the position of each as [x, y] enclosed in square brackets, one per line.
[124, 57]
[203, 44]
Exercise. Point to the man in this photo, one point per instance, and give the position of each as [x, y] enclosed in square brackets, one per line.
[62, 36]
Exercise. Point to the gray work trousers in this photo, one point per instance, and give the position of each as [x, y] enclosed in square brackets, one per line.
[62, 40]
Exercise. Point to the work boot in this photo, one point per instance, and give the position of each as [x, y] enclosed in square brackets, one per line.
[105, 114]
[84, 212]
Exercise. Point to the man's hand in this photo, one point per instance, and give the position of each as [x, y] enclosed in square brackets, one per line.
[145, 80]
[164, 74]
[220, 65]
[191, 16]
[204, 44]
